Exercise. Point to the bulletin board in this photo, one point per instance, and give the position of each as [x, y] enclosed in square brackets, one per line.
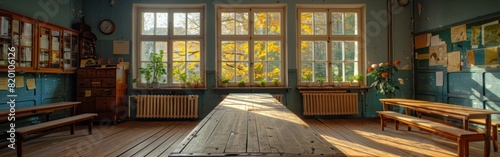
[472, 44]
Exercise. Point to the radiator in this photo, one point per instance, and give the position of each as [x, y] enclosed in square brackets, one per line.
[278, 97]
[318, 104]
[167, 106]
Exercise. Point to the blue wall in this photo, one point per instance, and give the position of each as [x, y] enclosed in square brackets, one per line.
[475, 87]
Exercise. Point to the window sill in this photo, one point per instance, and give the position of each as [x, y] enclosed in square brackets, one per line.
[330, 88]
[171, 89]
[251, 88]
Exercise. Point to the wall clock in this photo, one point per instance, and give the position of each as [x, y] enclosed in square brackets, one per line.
[403, 2]
[107, 26]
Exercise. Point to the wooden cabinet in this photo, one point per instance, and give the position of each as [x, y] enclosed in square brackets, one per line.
[102, 91]
[40, 46]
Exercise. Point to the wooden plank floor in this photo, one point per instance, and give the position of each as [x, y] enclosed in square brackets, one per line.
[354, 137]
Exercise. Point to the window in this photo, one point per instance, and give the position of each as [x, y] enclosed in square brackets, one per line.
[251, 45]
[180, 34]
[329, 44]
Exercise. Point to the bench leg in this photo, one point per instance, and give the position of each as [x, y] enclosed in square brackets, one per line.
[72, 129]
[90, 126]
[397, 124]
[494, 138]
[463, 147]
[19, 145]
[382, 122]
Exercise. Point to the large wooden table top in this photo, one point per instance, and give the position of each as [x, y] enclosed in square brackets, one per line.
[253, 125]
[24, 111]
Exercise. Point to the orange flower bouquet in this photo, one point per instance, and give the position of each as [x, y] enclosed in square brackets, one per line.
[384, 83]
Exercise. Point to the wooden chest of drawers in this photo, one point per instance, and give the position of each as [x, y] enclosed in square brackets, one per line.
[102, 91]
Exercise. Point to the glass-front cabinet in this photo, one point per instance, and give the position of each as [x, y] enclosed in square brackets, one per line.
[39, 46]
[22, 39]
[70, 50]
[5, 39]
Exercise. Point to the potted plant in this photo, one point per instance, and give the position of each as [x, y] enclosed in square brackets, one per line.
[360, 78]
[351, 81]
[225, 81]
[276, 82]
[262, 83]
[195, 79]
[153, 70]
[308, 79]
[183, 79]
[321, 81]
[241, 83]
[338, 79]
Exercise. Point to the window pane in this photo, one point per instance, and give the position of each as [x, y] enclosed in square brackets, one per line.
[306, 71]
[227, 48]
[146, 49]
[351, 52]
[179, 24]
[306, 23]
[274, 50]
[337, 24]
[148, 23]
[260, 23]
[179, 51]
[319, 23]
[274, 23]
[228, 71]
[241, 50]
[306, 50]
[259, 50]
[351, 27]
[319, 70]
[162, 46]
[337, 48]
[193, 50]
[193, 23]
[193, 68]
[336, 70]
[350, 69]
[234, 23]
[161, 24]
[259, 70]
[320, 51]
[242, 72]
[178, 68]
[273, 71]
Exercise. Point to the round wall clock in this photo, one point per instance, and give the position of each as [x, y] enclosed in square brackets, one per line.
[403, 2]
[107, 26]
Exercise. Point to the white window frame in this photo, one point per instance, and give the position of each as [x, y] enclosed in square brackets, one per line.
[251, 38]
[360, 38]
[138, 9]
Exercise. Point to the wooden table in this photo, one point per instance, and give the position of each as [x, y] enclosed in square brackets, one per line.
[253, 125]
[463, 113]
[26, 111]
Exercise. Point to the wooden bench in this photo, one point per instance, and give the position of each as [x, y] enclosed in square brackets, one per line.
[24, 131]
[463, 137]
[494, 130]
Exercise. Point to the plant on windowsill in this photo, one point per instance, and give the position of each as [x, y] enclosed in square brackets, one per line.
[225, 81]
[183, 79]
[262, 83]
[154, 70]
[308, 79]
[321, 81]
[276, 82]
[360, 78]
[338, 79]
[195, 79]
[241, 83]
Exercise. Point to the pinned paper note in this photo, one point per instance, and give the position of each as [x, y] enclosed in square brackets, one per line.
[88, 93]
[19, 81]
[30, 83]
[4, 83]
[458, 33]
[453, 61]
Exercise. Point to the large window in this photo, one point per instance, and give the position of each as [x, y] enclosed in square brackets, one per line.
[180, 34]
[251, 45]
[330, 44]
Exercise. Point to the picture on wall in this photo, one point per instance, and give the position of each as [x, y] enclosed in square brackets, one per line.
[438, 55]
[491, 56]
[491, 33]
[476, 31]
[458, 33]
[453, 61]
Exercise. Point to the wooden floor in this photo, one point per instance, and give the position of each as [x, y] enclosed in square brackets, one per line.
[354, 137]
